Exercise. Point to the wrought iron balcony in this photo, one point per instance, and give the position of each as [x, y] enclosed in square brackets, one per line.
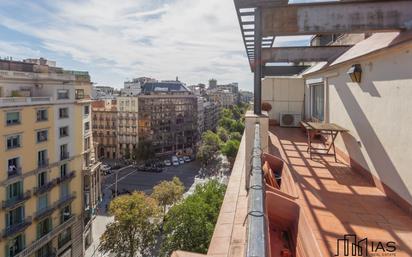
[16, 228]
[44, 212]
[66, 199]
[45, 188]
[42, 164]
[68, 176]
[16, 200]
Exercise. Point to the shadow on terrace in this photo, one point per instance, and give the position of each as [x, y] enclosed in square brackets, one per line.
[309, 205]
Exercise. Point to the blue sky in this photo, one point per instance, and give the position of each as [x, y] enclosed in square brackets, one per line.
[118, 40]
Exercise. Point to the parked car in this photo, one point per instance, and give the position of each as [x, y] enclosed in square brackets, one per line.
[175, 163]
[186, 158]
[167, 163]
[181, 161]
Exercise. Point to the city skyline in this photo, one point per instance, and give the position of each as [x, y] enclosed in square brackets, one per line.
[118, 41]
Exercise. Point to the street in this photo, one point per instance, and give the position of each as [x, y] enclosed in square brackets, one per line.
[133, 180]
[130, 179]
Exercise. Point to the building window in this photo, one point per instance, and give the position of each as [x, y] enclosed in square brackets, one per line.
[14, 190]
[86, 109]
[317, 101]
[13, 118]
[42, 136]
[62, 94]
[44, 227]
[87, 143]
[13, 142]
[64, 154]
[46, 250]
[42, 115]
[79, 93]
[63, 170]
[63, 113]
[42, 160]
[15, 245]
[13, 166]
[65, 214]
[41, 179]
[86, 126]
[64, 131]
[43, 202]
[64, 190]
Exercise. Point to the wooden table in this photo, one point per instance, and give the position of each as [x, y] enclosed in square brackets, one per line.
[326, 129]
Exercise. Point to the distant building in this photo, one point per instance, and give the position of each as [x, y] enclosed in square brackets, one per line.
[211, 116]
[168, 117]
[212, 83]
[134, 87]
[127, 130]
[199, 90]
[223, 98]
[246, 96]
[200, 115]
[105, 119]
[103, 92]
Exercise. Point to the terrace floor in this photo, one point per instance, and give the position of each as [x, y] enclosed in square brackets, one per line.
[337, 201]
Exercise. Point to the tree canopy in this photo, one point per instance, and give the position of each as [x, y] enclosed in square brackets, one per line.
[189, 225]
[134, 228]
[168, 192]
[144, 150]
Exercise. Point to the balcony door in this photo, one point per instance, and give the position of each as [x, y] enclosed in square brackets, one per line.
[317, 101]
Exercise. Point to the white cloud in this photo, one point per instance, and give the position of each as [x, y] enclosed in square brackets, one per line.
[195, 40]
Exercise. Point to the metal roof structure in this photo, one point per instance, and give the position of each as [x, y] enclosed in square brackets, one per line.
[261, 21]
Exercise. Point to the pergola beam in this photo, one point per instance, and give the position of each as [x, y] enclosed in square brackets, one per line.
[334, 18]
[282, 70]
[278, 3]
[302, 54]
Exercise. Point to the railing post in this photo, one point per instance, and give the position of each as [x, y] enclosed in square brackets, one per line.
[258, 63]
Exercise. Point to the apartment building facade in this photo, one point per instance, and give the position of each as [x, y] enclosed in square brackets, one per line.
[168, 117]
[46, 137]
[105, 119]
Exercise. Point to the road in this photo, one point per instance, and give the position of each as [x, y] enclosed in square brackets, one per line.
[131, 179]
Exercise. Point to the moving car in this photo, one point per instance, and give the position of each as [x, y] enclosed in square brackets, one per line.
[186, 158]
[181, 161]
[167, 163]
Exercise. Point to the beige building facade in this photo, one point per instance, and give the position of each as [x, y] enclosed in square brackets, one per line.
[46, 138]
[376, 111]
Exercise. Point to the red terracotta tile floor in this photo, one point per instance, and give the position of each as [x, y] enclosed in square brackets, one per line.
[336, 200]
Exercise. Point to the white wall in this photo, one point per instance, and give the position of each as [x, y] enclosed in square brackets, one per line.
[285, 94]
[378, 114]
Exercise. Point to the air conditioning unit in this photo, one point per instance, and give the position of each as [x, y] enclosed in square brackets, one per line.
[290, 119]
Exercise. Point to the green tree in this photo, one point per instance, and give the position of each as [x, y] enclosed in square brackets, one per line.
[226, 113]
[205, 154]
[235, 136]
[238, 126]
[189, 225]
[134, 227]
[227, 123]
[230, 148]
[223, 134]
[144, 150]
[211, 139]
[168, 192]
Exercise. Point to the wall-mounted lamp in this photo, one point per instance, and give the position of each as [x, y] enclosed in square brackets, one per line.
[355, 73]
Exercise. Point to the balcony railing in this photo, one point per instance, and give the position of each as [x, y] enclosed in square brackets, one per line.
[14, 172]
[42, 164]
[257, 237]
[44, 212]
[65, 199]
[16, 200]
[16, 228]
[66, 177]
[45, 188]
[11, 101]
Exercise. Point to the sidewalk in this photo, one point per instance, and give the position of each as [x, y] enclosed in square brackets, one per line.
[99, 226]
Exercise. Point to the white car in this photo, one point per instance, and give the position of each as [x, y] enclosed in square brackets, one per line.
[175, 163]
[186, 158]
[181, 161]
[167, 163]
